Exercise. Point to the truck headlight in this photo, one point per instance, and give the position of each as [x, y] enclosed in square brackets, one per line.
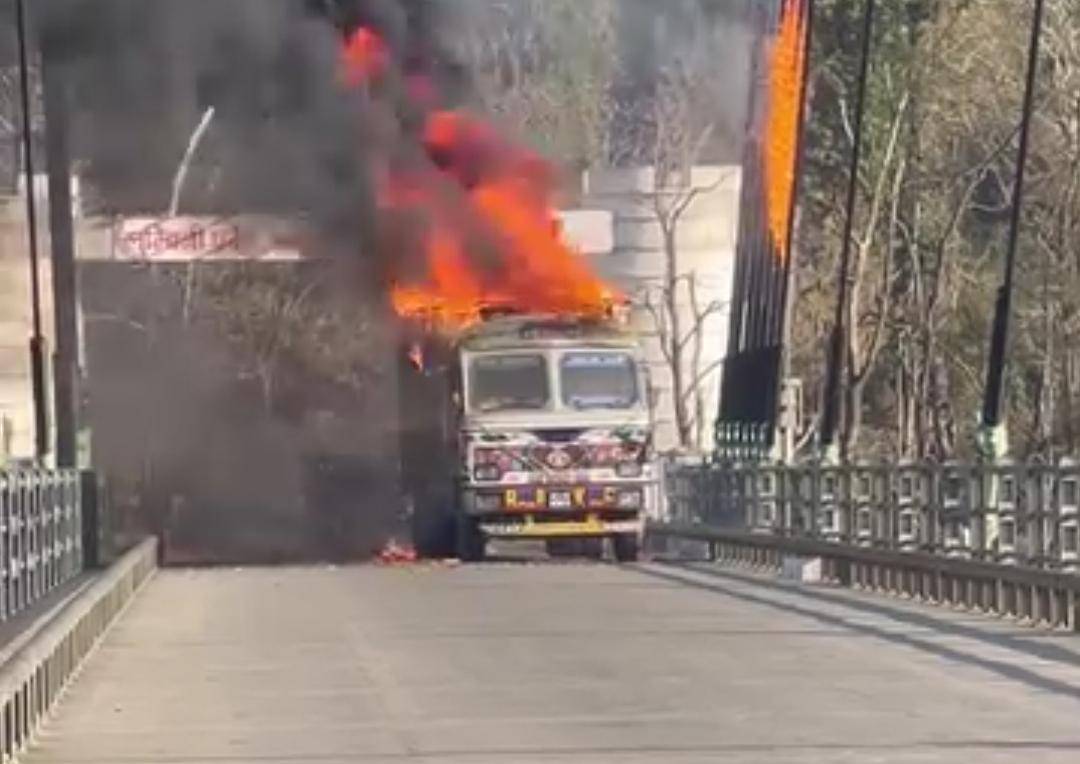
[628, 469]
[632, 499]
[486, 472]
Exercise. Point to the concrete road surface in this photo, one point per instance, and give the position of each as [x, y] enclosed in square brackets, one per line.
[557, 663]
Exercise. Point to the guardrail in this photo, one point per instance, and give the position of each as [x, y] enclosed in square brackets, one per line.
[1002, 538]
[34, 674]
[1033, 597]
[1018, 514]
[41, 535]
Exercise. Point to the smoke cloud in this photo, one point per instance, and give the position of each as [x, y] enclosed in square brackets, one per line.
[241, 410]
[291, 135]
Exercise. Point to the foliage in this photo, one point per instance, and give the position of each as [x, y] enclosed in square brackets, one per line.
[950, 75]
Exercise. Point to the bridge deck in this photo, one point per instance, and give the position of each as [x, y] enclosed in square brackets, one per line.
[560, 662]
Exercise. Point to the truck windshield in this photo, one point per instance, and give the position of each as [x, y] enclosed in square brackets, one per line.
[599, 380]
[508, 383]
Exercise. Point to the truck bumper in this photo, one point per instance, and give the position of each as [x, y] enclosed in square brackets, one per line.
[527, 526]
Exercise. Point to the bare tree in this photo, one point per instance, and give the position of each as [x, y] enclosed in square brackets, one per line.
[671, 137]
[680, 316]
[868, 323]
[288, 325]
[935, 153]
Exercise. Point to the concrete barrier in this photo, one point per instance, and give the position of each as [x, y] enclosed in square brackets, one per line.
[36, 672]
[805, 570]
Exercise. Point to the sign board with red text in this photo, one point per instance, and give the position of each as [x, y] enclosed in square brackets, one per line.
[172, 239]
[264, 238]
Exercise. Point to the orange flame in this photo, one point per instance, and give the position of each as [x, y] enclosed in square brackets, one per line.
[535, 271]
[396, 554]
[787, 56]
[416, 357]
[364, 58]
[489, 233]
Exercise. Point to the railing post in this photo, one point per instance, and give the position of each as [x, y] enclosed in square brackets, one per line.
[1007, 512]
[739, 494]
[7, 504]
[956, 509]
[862, 505]
[1065, 526]
[753, 506]
[787, 493]
[766, 493]
[89, 502]
[831, 504]
[18, 523]
[908, 511]
[1037, 505]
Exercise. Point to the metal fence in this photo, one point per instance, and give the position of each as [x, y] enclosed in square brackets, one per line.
[1002, 539]
[34, 677]
[1017, 514]
[41, 535]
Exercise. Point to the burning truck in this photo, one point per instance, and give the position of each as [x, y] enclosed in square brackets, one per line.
[527, 427]
[524, 403]
[524, 400]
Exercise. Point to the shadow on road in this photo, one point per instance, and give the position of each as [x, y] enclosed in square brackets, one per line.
[800, 601]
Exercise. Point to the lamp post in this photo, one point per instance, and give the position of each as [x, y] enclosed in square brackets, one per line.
[62, 239]
[835, 361]
[993, 440]
[37, 340]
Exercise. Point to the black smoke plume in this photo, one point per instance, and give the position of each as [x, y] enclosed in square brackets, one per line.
[201, 440]
[287, 137]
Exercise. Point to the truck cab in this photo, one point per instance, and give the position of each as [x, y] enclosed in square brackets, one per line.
[553, 432]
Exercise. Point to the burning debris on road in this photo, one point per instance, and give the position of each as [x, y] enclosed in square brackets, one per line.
[395, 553]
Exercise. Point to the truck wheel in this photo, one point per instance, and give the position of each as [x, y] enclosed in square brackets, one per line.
[471, 542]
[627, 547]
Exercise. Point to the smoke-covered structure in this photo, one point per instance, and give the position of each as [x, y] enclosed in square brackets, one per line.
[242, 409]
[237, 402]
[246, 408]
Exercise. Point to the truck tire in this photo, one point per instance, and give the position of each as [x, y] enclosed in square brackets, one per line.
[471, 542]
[592, 548]
[627, 547]
[433, 527]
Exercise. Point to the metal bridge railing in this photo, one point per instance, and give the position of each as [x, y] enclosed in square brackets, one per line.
[1018, 514]
[1002, 538]
[41, 535]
